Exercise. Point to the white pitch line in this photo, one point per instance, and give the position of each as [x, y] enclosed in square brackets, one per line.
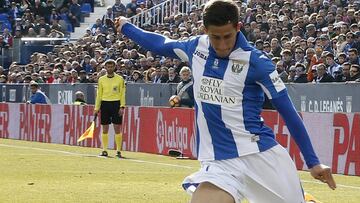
[337, 185]
[92, 155]
[148, 162]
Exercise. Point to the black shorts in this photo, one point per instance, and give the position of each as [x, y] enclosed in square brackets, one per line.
[110, 112]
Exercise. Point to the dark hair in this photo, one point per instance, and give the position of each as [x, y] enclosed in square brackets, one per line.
[300, 65]
[353, 50]
[221, 12]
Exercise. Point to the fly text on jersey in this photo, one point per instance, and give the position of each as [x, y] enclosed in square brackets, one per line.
[212, 91]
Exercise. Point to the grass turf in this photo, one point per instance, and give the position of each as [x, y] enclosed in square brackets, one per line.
[40, 172]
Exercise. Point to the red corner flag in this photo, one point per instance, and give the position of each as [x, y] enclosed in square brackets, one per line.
[89, 133]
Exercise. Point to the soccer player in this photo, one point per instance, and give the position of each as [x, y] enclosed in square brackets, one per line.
[239, 155]
[110, 101]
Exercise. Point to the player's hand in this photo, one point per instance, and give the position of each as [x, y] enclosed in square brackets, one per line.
[323, 173]
[119, 22]
[121, 111]
[96, 112]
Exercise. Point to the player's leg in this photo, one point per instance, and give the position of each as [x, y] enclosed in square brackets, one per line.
[271, 177]
[118, 139]
[117, 121]
[209, 193]
[105, 121]
[104, 140]
[214, 183]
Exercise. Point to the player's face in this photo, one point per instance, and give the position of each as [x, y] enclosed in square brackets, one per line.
[110, 68]
[222, 38]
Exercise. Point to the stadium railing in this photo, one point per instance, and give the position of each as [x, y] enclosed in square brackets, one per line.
[157, 13]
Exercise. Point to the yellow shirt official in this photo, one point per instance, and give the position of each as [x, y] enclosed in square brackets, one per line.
[110, 89]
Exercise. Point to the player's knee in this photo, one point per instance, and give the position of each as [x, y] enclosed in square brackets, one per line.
[209, 193]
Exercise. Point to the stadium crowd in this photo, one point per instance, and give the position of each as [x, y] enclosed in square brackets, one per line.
[309, 41]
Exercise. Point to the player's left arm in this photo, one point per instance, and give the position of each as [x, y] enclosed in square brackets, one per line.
[275, 89]
[154, 42]
[122, 92]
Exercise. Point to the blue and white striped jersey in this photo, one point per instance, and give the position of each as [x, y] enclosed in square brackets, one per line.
[229, 94]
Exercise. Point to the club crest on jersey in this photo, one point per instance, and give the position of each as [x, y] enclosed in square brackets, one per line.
[216, 63]
[115, 89]
[237, 67]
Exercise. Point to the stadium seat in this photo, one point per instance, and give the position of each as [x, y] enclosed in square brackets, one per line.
[69, 27]
[6, 25]
[86, 9]
[4, 17]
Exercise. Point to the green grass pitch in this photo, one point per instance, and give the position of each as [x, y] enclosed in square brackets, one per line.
[39, 172]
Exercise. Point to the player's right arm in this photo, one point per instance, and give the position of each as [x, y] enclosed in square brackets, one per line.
[269, 80]
[154, 42]
[99, 93]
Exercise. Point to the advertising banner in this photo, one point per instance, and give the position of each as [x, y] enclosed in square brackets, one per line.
[335, 136]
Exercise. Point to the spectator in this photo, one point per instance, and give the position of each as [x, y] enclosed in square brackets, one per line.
[286, 57]
[3, 44]
[332, 66]
[354, 56]
[299, 55]
[56, 75]
[355, 73]
[49, 78]
[156, 75]
[36, 78]
[325, 43]
[322, 74]
[3, 79]
[310, 31]
[300, 73]
[173, 77]
[7, 37]
[275, 47]
[357, 40]
[74, 13]
[79, 98]
[131, 8]
[184, 89]
[15, 11]
[37, 9]
[119, 8]
[164, 74]
[292, 73]
[109, 15]
[281, 71]
[136, 77]
[37, 97]
[42, 24]
[83, 77]
[98, 25]
[349, 42]
[316, 59]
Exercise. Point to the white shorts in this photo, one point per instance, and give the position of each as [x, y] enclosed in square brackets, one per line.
[265, 177]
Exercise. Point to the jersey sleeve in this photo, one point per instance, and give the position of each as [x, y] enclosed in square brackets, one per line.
[98, 95]
[157, 43]
[122, 93]
[266, 76]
